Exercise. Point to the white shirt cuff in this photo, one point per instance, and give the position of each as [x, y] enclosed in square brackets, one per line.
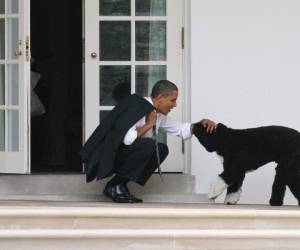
[186, 131]
[130, 137]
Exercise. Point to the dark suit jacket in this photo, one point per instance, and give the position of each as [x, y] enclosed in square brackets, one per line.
[100, 150]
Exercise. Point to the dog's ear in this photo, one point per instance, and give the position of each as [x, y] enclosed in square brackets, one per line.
[198, 129]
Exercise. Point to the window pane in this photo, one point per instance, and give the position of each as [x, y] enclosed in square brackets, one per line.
[115, 41]
[114, 7]
[147, 76]
[114, 82]
[2, 39]
[12, 6]
[150, 7]
[13, 84]
[13, 130]
[2, 6]
[2, 130]
[2, 84]
[13, 37]
[150, 40]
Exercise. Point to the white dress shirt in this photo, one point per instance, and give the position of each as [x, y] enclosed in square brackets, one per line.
[162, 121]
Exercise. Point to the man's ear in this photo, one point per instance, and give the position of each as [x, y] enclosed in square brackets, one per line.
[198, 129]
[159, 97]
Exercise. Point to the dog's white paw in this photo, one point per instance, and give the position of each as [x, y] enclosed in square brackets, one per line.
[217, 187]
[233, 198]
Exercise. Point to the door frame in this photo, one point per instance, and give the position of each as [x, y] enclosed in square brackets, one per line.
[187, 81]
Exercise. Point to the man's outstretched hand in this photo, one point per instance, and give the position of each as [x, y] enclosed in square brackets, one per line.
[210, 126]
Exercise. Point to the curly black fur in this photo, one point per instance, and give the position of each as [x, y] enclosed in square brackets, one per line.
[245, 150]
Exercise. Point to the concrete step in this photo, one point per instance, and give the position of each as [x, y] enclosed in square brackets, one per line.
[75, 184]
[93, 225]
[72, 187]
[147, 216]
[150, 239]
[151, 198]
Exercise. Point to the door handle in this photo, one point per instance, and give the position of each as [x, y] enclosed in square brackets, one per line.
[93, 55]
[18, 53]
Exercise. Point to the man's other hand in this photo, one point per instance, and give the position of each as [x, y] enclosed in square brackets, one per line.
[151, 118]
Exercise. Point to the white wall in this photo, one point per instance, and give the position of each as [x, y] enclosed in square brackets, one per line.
[245, 72]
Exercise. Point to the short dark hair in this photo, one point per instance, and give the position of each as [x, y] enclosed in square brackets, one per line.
[163, 87]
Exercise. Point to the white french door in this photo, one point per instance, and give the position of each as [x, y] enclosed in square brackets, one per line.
[131, 44]
[14, 89]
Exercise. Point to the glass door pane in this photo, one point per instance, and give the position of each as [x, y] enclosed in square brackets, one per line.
[2, 38]
[150, 7]
[13, 84]
[115, 8]
[151, 40]
[2, 84]
[2, 6]
[12, 37]
[2, 130]
[112, 79]
[115, 41]
[12, 6]
[13, 130]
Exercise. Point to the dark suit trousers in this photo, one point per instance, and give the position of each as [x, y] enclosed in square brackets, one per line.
[138, 161]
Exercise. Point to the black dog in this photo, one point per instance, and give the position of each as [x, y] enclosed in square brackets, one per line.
[246, 150]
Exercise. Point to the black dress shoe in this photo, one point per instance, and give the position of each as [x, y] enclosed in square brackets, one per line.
[118, 193]
[136, 200]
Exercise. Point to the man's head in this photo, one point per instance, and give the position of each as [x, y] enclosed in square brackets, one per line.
[164, 95]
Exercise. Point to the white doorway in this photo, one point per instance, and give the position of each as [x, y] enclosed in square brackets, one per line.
[56, 107]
